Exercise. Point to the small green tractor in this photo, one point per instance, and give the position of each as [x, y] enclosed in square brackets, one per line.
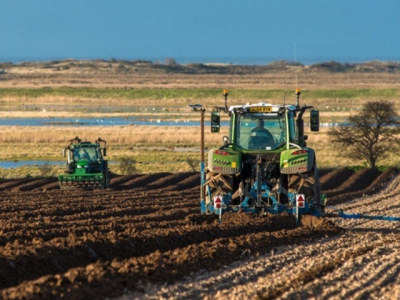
[264, 164]
[86, 166]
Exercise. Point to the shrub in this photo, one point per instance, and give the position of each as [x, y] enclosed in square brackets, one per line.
[45, 169]
[192, 163]
[127, 165]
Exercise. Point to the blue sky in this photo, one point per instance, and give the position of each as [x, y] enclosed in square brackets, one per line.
[201, 30]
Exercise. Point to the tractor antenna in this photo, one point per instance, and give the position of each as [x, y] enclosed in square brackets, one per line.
[226, 93]
[295, 63]
[295, 73]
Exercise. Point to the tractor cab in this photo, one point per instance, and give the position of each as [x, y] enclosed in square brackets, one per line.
[262, 127]
[88, 152]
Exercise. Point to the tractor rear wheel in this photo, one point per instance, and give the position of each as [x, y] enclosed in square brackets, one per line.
[307, 184]
[106, 179]
[217, 184]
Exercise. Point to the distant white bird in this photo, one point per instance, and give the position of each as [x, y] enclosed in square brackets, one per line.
[44, 110]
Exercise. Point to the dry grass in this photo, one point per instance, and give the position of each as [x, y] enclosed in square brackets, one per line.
[131, 136]
[146, 144]
[155, 149]
[327, 155]
[89, 78]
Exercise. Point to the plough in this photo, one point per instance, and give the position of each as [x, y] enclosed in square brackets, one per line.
[260, 199]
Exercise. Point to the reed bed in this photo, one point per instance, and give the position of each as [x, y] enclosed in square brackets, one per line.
[152, 148]
[146, 144]
[175, 100]
[131, 136]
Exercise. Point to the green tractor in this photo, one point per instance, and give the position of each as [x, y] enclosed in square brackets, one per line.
[86, 166]
[264, 164]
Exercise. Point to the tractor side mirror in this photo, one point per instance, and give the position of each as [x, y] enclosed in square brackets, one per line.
[104, 152]
[314, 120]
[69, 153]
[215, 121]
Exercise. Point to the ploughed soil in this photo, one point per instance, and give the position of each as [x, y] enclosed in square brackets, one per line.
[144, 237]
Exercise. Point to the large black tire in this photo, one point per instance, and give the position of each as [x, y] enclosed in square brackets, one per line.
[106, 179]
[309, 185]
[219, 185]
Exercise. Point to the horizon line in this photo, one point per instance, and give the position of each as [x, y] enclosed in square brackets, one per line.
[184, 61]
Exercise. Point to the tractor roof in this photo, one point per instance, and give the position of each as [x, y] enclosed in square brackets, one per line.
[85, 145]
[261, 107]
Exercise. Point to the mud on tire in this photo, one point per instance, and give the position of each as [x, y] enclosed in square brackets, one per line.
[219, 184]
[307, 184]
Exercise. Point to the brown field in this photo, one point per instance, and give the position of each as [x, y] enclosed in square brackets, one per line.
[144, 238]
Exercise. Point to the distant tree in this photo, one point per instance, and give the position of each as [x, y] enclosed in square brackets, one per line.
[332, 66]
[371, 134]
[45, 169]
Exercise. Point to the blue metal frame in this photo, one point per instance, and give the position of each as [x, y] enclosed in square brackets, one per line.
[245, 206]
[342, 214]
[276, 207]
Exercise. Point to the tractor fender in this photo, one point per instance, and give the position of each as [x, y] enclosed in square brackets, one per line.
[295, 161]
[224, 160]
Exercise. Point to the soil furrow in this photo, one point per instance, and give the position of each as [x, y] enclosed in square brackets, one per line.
[145, 237]
[160, 267]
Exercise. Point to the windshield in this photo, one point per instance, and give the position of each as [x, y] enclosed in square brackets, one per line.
[260, 131]
[89, 153]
